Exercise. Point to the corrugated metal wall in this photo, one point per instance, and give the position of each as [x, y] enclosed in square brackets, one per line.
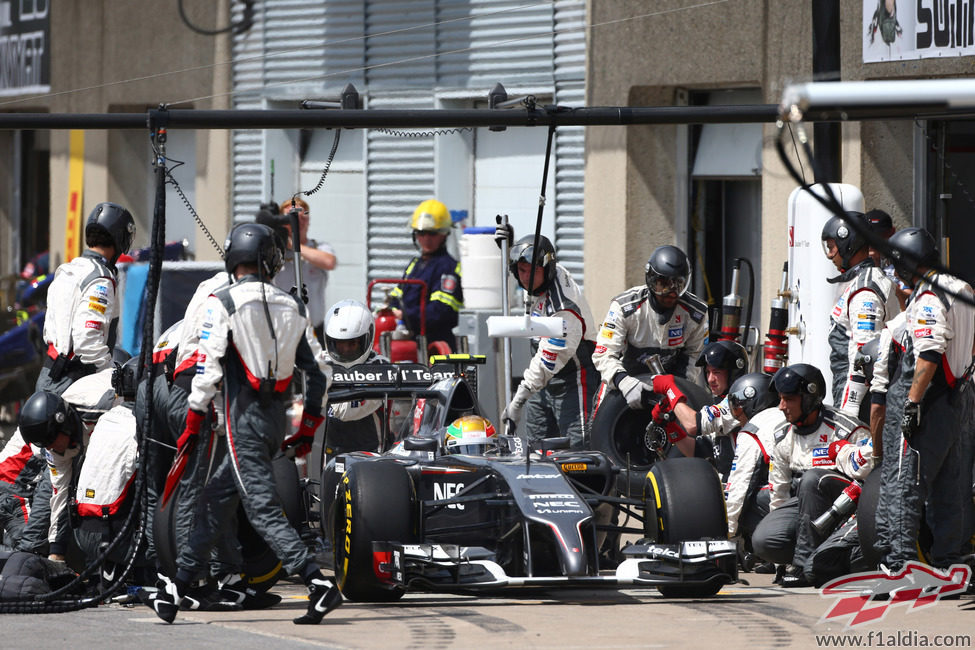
[401, 54]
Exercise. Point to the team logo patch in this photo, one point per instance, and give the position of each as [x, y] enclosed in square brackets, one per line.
[92, 325]
[94, 306]
[923, 333]
[821, 457]
[600, 349]
[448, 283]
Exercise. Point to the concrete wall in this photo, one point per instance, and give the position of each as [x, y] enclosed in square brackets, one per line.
[98, 48]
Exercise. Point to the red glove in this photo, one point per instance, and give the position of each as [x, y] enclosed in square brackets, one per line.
[302, 440]
[674, 432]
[194, 420]
[659, 412]
[835, 447]
[666, 386]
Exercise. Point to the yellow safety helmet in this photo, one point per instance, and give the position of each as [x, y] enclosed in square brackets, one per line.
[431, 215]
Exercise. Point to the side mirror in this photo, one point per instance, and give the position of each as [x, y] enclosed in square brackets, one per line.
[421, 444]
[554, 444]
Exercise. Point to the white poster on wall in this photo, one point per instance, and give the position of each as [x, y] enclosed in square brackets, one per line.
[898, 30]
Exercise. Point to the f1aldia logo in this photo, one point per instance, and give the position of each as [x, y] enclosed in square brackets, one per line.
[867, 597]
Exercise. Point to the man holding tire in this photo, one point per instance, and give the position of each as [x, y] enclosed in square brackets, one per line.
[660, 318]
[801, 454]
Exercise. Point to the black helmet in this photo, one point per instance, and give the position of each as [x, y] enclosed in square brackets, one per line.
[911, 248]
[270, 216]
[751, 393]
[804, 380]
[44, 415]
[865, 358]
[848, 241]
[725, 354]
[253, 243]
[668, 270]
[522, 252]
[125, 379]
[115, 221]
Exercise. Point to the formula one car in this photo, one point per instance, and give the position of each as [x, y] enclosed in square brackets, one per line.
[419, 517]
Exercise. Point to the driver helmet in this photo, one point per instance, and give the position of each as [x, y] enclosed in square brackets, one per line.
[44, 415]
[471, 435]
[349, 331]
[668, 270]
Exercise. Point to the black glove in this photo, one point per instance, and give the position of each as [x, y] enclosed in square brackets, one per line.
[910, 420]
[504, 231]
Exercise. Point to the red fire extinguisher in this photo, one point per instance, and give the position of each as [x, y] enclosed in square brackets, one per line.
[776, 347]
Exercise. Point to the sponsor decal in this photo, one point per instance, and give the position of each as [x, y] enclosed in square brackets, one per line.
[821, 457]
[611, 315]
[927, 321]
[675, 342]
[823, 438]
[923, 333]
[600, 349]
[609, 325]
[444, 491]
[557, 343]
[927, 311]
[207, 324]
[866, 317]
[94, 306]
[917, 585]
[548, 364]
[677, 318]
[675, 331]
[869, 326]
[448, 283]
[103, 290]
[712, 412]
[103, 301]
[521, 477]
[92, 325]
[204, 335]
[837, 310]
[868, 304]
[574, 467]
[89, 493]
[550, 355]
[606, 334]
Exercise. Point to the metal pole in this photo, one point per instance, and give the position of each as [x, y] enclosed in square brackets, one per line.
[505, 341]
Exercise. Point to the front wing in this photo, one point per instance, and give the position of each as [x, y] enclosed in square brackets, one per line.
[445, 567]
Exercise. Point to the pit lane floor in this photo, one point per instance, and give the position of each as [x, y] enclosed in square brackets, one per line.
[754, 616]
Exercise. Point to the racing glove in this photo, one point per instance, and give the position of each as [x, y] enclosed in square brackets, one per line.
[633, 390]
[503, 232]
[910, 420]
[835, 447]
[512, 412]
[194, 420]
[675, 433]
[303, 439]
[666, 386]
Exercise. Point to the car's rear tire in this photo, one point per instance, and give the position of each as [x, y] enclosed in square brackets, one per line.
[619, 432]
[374, 503]
[691, 507]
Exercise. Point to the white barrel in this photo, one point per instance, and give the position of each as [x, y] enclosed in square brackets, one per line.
[480, 262]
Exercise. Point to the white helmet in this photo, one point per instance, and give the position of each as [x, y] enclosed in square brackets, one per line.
[349, 321]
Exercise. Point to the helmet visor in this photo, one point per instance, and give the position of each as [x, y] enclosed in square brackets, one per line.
[661, 285]
[741, 398]
[347, 350]
[483, 448]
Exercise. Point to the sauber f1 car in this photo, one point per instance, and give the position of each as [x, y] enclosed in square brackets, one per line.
[418, 517]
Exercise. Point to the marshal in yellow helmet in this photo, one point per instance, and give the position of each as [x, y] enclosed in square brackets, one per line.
[431, 215]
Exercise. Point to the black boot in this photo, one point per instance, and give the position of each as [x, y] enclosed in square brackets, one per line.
[323, 597]
[232, 588]
[167, 601]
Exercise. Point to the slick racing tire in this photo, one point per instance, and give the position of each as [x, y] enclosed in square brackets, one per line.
[619, 432]
[691, 507]
[375, 503]
[867, 523]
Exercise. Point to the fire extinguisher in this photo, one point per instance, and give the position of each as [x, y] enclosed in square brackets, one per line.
[776, 347]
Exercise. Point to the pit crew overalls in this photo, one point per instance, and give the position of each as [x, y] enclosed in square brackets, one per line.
[747, 490]
[256, 361]
[940, 329]
[634, 329]
[561, 376]
[867, 302]
[79, 328]
[801, 453]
